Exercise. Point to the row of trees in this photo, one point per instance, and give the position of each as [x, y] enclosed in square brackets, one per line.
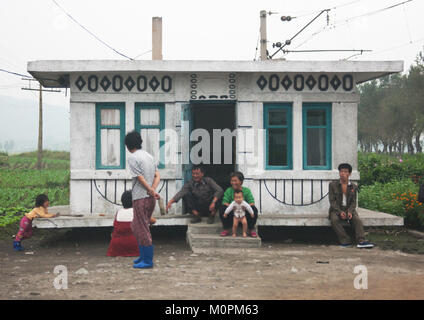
[391, 112]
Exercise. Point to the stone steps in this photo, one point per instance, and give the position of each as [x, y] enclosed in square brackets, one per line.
[207, 236]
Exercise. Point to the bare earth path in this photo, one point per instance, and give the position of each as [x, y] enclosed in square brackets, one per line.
[276, 271]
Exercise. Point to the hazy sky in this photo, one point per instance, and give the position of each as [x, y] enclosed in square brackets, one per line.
[215, 30]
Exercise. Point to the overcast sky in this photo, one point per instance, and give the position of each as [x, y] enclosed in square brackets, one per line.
[199, 29]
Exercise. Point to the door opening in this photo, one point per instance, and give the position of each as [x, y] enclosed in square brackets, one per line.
[209, 116]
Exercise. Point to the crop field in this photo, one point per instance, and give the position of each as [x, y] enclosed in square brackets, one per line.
[21, 182]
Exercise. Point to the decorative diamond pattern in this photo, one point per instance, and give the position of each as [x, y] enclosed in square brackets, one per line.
[261, 82]
[286, 82]
[105, 83]
[80, 83]
[335, 82]
[129, 83]
[154, 83]
[311, 82]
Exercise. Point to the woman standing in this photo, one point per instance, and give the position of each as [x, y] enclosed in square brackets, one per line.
[236, 182]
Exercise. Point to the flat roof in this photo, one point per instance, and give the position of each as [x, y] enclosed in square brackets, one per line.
[55, 73]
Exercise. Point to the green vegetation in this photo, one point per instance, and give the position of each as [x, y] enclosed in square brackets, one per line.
[390, 184]
[20, 182]
[384, 168]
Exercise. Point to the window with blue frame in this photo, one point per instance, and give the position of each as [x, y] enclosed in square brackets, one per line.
[110, 135]
[150, 122]
[317, 136]
[278, 131]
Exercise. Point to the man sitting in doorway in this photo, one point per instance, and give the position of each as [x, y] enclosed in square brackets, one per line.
[200, 194]
[342, 196]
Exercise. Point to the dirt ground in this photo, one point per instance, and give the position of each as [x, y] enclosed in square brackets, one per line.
[282, 269]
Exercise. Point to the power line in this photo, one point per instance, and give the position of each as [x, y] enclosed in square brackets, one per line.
[332, 8]
[15, 73]
[397, 46]
[375, 11]
[288, 42]
[141, 54]
[61, 80]
[329, 50]
[346, 21]
[91, 33]
[407, 24]
[309, 13]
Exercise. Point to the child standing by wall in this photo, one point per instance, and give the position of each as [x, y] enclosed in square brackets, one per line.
[25, 226]
[239, 207]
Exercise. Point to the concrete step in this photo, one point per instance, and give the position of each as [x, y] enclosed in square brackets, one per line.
[215, 228]
[205, 228]
[207, 236]
[197, 241]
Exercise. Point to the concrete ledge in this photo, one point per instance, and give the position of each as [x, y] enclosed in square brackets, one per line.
[97, 220]
[369, 218]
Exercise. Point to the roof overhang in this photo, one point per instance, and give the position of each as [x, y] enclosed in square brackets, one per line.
[55, 73]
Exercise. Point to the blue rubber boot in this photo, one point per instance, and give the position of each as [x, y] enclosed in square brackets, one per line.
[148, 259]
[17, 246]
[141, 257]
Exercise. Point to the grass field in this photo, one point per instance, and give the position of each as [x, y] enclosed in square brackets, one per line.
[20, 182]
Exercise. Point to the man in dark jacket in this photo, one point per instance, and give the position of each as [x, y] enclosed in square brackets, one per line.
[342, 195]
[201, 195]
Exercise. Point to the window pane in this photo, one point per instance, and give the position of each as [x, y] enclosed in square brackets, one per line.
[277, 147]
[316, 118]
[277, 117]
[109, 117]
[151, 141]
[317, 148]
[110, 147]
[149, 117]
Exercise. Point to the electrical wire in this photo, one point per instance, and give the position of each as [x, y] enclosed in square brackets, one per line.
[332, 8]
[29, 77]
[16, 74]
[91, 33]
[407, 24]
[141, 54]
[290, 40]
[346, 21]
[309, 13]
[396, 47]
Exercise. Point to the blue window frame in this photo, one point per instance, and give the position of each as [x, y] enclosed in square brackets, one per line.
[110, 135]
[317, 136]
[278, 131]
[150, 122]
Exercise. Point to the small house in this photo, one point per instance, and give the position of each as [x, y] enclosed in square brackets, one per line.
[285, 124]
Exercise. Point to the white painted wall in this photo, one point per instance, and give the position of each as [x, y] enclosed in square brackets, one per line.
[249, 113]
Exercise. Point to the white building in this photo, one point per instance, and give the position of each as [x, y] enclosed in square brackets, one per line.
[307, 109]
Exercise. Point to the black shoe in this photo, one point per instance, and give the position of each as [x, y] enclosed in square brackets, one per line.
[211, 219]
[196, 219]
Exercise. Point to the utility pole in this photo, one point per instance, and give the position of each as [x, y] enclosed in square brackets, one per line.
[40, 120]
[264, 55]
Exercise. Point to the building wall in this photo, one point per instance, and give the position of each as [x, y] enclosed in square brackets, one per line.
[274, 190]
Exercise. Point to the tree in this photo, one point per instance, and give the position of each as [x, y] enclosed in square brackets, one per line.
[391, 112]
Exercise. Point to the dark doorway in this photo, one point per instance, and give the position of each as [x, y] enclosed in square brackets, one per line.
[221, 116]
